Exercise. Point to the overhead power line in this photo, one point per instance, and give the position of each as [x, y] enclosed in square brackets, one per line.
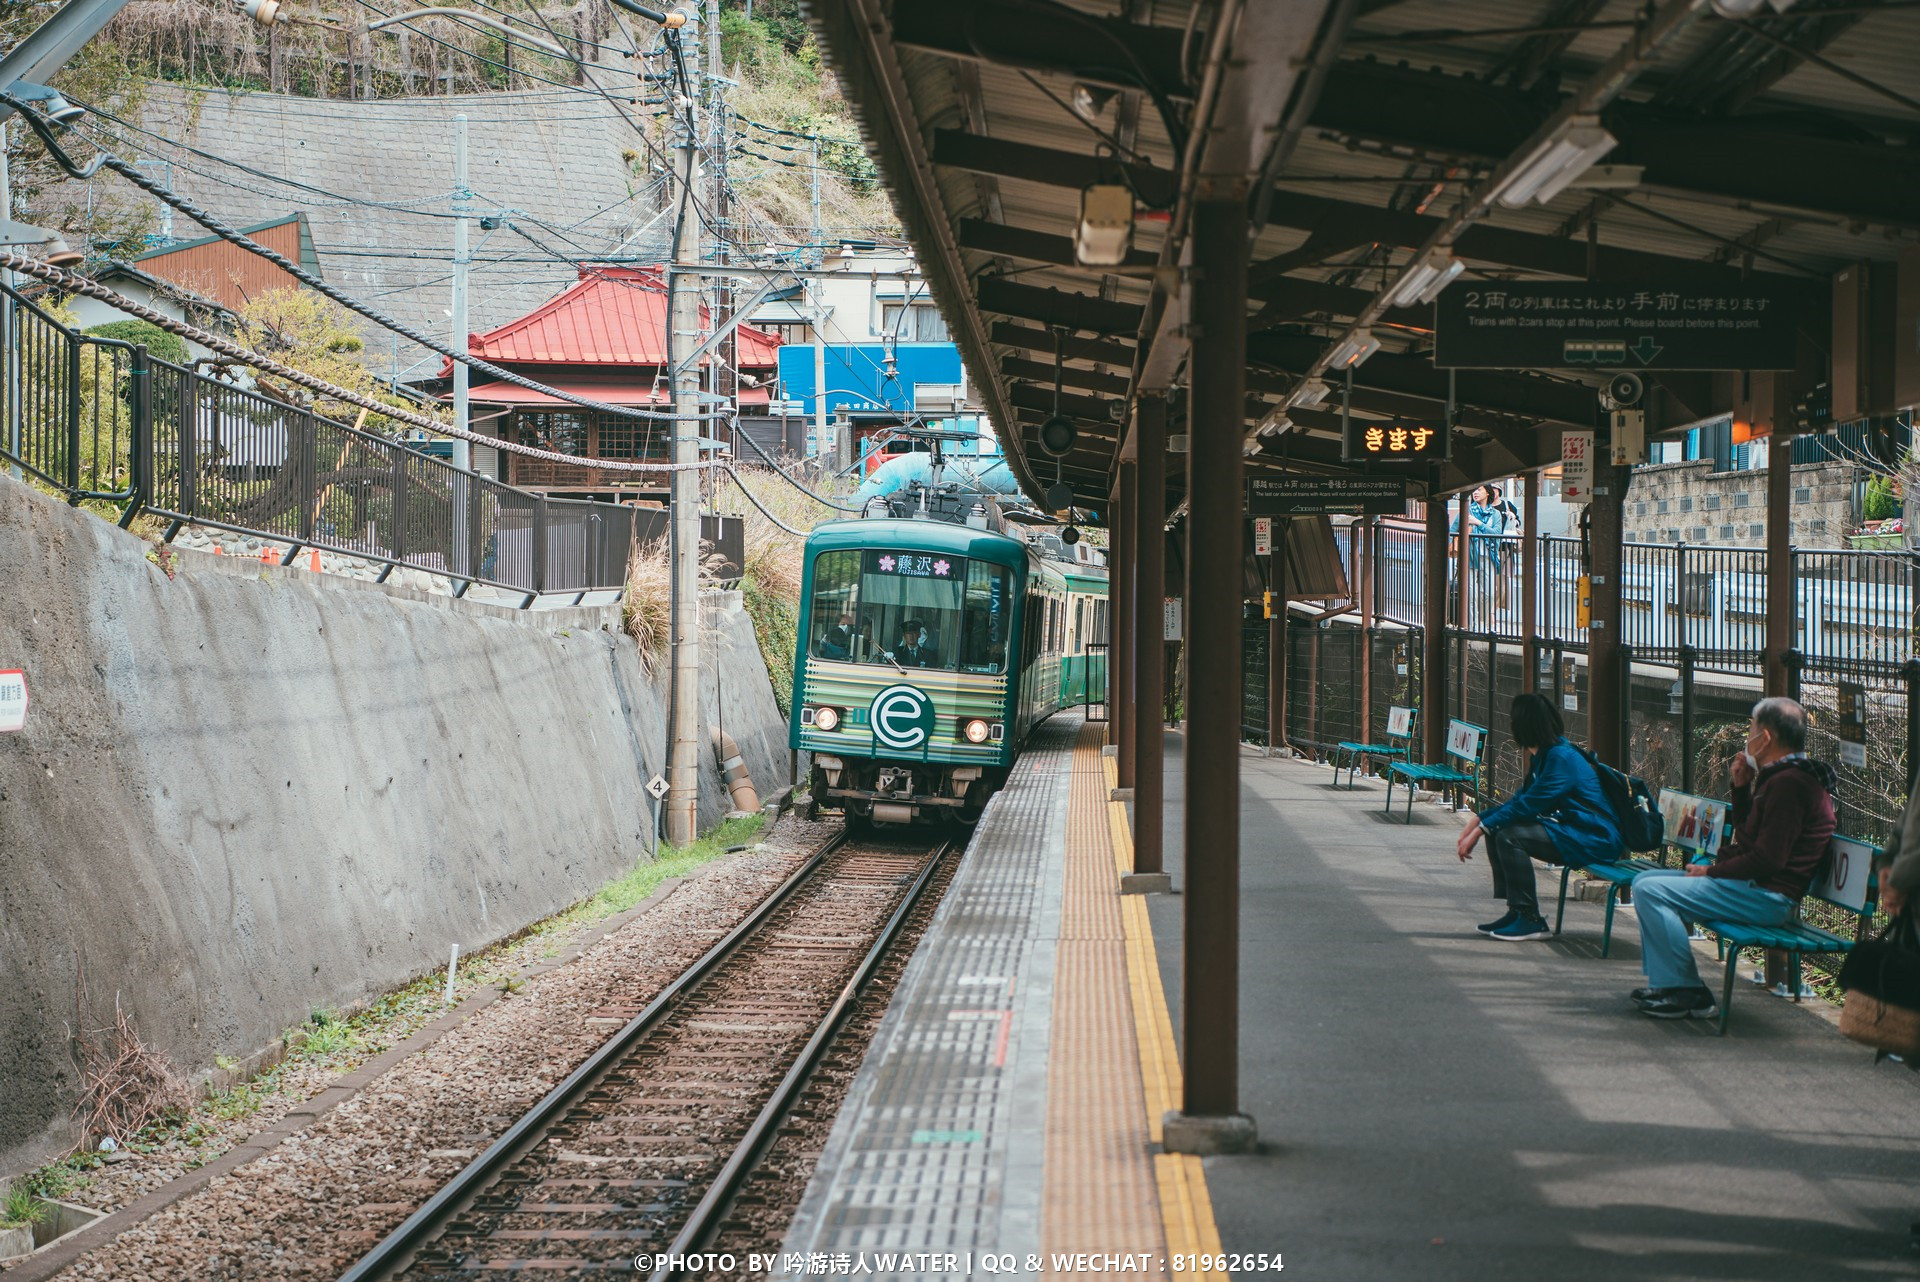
[214, 224]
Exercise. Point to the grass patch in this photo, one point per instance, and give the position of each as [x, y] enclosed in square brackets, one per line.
[674, 861]
[20, 1208]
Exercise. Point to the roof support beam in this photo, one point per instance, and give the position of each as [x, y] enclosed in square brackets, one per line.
[1026, 338]
[1516, 396]
[1463, 118]
[1034, 246]
[1040, 38]
[1056, 307]
[1021, 160]
[1042, 373]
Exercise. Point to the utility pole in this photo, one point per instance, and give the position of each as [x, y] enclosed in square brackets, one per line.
[724, 381]
[819, 367]
[462, 258]
[462, 209]
[683, 307]
[9, 319]
[815, 246]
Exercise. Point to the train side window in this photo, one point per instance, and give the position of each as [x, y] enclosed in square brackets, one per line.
[988, 615]
[832, 619]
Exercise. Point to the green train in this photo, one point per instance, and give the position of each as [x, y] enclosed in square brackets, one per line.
[928, 651]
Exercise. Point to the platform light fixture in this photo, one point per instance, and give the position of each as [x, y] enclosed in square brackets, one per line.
[1423, 282]
[1354, 350]
[1105, 231]
[1556, 162]
[1275, 422]
[1747, 8]
[1310, 393]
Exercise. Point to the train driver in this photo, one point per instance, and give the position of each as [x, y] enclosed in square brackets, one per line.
[911, 653]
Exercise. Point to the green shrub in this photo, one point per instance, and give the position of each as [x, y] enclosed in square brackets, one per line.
[165, 346]
[1880, 502]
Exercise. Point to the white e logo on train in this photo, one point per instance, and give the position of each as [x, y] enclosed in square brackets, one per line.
[902, 718]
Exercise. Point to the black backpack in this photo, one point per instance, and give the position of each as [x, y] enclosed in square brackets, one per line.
[1642, 826]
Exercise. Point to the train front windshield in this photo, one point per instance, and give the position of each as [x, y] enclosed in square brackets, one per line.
[911, 610]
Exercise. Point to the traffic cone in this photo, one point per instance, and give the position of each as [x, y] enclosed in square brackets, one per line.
[267, 557]
[313, 561]
[217, 551]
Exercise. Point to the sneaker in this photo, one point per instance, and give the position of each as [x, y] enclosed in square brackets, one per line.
[1522, 928]
[1681, 1003]
[1487, 928]
[1645, 994]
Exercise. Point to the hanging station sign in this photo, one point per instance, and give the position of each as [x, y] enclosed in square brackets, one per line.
[1326, 495]
[1576, 467]
[1573, 324]
[1372, 441]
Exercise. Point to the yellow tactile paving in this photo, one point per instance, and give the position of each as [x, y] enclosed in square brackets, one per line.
[1113, 1070]
[1101, 1196]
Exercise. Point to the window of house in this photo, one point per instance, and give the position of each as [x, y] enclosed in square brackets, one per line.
[912, 323]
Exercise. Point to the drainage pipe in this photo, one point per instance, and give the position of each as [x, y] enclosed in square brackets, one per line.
[734, 768]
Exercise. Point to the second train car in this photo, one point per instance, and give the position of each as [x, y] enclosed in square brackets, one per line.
[928, 651]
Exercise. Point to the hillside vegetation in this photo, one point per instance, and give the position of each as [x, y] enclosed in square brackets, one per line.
[324, 50]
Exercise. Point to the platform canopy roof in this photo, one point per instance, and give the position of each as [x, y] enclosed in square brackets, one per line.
[1772, 146]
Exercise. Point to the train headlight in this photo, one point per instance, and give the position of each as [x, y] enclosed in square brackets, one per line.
[826, 718]
[975, 730]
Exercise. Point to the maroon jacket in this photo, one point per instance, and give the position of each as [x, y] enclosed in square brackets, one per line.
[1782, 822]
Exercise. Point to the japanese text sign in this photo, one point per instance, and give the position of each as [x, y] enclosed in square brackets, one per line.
[1325, 495]
[13, 699]
[1576, 467]
[1396, 442]
[1569, 324]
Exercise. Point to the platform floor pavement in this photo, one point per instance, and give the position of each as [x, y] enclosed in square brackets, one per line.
[1433, 1104]
[1009, 1103]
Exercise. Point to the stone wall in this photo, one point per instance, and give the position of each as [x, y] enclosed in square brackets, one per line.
[380, 176]
[245, 793]
[1691, 503]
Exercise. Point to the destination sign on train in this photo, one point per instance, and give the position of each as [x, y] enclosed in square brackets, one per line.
[914, 565]
[1575, 325]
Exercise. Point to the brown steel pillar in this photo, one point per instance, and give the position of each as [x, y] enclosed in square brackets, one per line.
[1605, 685]
[1120, 579]
[1530, 584]
[1210, 1120]
[1277, 640]
[1780, 586]
[1363, 590]
[1149, 651]
[1433, 647]
[1462, 545]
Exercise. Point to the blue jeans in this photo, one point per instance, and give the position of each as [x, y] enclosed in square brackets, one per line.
[1667, 899]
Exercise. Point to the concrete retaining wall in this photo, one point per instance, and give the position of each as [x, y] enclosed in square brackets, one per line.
[246, 793]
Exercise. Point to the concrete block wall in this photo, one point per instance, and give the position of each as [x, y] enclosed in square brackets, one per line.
[1691, 503]
[553, 155]
[248, 792]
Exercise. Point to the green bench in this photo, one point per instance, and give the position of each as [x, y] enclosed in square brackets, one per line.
[1845, 882]
[1466, 744]
[1400, 722]
[1695, 826]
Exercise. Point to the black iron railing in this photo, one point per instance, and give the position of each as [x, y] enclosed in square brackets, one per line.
[101, 419]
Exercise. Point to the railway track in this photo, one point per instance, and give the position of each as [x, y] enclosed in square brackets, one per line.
[642, 1149]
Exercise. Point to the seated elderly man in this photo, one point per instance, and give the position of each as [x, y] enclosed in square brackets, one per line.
[1782, 821]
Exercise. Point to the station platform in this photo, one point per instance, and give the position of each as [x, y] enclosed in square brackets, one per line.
[1431, 1103]
[1010, 1103]
[1434, 1104]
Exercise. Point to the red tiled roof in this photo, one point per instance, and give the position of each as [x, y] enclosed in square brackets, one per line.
[609, 391]
[613, 316]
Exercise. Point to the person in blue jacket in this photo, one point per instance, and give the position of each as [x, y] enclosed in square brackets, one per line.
[1560, 815]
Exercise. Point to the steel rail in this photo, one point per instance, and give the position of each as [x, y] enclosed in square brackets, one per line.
[707, 1217]
[395, 1252]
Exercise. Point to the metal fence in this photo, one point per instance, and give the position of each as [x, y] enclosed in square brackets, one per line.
[1853, 610]
[101, 419]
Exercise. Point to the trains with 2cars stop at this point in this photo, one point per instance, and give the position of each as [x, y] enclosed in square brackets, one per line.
[928, 650]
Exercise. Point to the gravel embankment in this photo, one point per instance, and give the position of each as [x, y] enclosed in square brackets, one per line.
[311, 1206]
